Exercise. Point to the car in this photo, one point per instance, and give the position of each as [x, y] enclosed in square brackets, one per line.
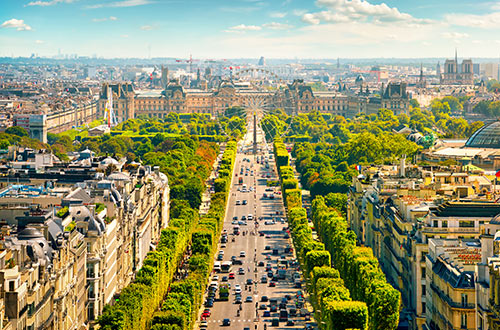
[209, 303]
[235, 218]
[249, 281]
[237, 300]
[266, 314]
[275, 322]
[245, 202]
[241, 271]
[290, 323]
[234, 222]
[267, 248]
[243, 254]
[237, 286]
[249, 299]
[272, 284]
[262, 306]
[261, 264]
[268, 267]
[223, 245]
[274, 308]
[220, 257]
[268, 257]
[231, 276]
[246, 328]
[226, 322]
[224, 279]
[242, 223]
[238, 202]
[261, 233]
[203, 324]
[250, 217]
[237, 262]
[263, 279]
[206, 313]
[244, 217]
[215, 278]
[237, 291]
[269, 222]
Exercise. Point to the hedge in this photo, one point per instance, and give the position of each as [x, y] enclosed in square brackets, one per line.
[329, 296]
[357, 265]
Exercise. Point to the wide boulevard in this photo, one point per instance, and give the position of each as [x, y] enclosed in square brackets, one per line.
[262, 244]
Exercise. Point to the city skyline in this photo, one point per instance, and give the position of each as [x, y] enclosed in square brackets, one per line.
[250, 28]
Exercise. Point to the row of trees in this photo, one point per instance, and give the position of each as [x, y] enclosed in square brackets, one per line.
[334, 308]
[359, 276]
[188, 123]
[326, 168]
[192, 161]
[183, 301]
[357, 265]
[324, 127]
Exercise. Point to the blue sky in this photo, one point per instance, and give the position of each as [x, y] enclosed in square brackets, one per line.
[251, 28]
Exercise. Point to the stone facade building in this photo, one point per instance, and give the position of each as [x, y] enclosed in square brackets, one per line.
[296, 98]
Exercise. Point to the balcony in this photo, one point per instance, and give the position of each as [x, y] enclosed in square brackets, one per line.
[449, 230]
[450, 302]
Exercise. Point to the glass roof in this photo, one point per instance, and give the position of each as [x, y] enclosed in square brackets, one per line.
[487, 136]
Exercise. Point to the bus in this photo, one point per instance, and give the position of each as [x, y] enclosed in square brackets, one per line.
[226, 266]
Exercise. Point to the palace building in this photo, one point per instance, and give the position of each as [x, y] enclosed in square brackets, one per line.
[295, 98]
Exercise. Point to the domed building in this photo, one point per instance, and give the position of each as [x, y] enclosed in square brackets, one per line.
[482, 149]
[487, 136]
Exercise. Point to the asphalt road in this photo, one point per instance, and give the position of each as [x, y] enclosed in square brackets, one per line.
[256, 247]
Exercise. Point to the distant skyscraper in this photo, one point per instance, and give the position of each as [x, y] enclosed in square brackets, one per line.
[262, 61]
[438, 70]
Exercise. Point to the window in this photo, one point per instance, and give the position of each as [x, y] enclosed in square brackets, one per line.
[464, 321]
[423, 272]
[423, 307]
[12, 285]
[464, 299]
[435, 223]
[444, 224]
[423, 290]
[466, 224]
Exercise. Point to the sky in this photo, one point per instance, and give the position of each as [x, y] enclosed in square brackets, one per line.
[251, 28]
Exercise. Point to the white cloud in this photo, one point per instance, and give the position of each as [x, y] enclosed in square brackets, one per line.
[48, 3]
[148, 27]
[17, 24]
[123, 3]
[124, 36]
[343, 11]
[104, 19]
[277, 15]
[243, 28]
[277, 26]
[488, 21]
[454, 35]
[39, 42]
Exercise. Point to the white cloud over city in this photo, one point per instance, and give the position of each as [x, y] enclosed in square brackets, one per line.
[17, 24]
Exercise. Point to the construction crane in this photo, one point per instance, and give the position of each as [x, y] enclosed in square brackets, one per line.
[190, 61]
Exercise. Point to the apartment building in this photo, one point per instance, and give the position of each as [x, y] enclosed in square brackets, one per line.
[397, 210]
[69, 247]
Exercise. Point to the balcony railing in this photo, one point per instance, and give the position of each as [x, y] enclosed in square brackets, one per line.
[449, 301]
[449, 230]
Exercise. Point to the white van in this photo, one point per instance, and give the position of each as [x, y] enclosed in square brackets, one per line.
[217, 266]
